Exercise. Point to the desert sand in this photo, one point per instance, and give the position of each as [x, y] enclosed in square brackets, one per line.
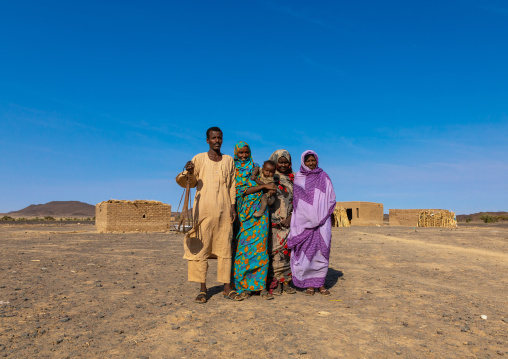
[69, 292]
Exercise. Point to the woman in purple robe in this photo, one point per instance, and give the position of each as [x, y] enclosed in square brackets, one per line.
[310, 234]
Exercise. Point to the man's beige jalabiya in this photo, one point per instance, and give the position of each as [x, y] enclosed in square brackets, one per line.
[212, 232]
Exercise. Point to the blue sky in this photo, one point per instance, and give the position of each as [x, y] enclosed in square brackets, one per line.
[405, 102]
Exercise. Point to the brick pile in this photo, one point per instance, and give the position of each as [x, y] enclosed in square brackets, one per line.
[411, 217]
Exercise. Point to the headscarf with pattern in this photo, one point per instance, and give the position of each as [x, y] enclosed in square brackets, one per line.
[243, 170]
[286, 179]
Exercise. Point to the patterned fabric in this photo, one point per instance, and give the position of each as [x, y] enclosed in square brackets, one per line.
[251, 258]
[311, 226]
[279, 268]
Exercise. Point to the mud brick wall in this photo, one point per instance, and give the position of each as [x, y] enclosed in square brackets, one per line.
[132, 216]
[364, 213]
[407, 217]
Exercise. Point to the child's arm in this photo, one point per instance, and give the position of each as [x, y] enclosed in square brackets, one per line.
[254, 176]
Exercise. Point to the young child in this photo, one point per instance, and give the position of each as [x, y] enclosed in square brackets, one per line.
[267, 176]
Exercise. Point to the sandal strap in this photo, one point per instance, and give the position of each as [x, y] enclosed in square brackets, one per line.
[202, 297]
[232, 292]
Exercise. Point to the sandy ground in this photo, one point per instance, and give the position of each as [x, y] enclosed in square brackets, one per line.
[68, 292]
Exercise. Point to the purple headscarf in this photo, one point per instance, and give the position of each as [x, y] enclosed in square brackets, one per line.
[310, 233]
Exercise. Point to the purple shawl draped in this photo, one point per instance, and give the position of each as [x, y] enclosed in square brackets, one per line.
[310, 234]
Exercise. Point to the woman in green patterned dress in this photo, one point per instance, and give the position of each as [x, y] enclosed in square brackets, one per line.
[251, 233]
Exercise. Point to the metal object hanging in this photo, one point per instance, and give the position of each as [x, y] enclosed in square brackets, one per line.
[186, 221]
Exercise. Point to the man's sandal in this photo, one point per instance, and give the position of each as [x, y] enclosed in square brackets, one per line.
[309, 291]
[201, 298]
[266, 294]
[325, 292]
[233, 295]
[288, 289]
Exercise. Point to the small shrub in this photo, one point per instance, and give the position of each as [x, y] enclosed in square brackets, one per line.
[88, 219]
[7, 218]
[21, 219]
[468, 220]
[49, 218]
[488, 218]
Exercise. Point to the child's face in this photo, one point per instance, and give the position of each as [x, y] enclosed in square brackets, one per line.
[268, 170]
[311, 162]
[243, 153]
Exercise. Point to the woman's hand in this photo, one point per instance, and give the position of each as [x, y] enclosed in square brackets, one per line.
[286, 222]
[264, 188]
[270, 187]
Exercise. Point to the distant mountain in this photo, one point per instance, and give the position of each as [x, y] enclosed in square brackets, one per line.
[56, 209]
[476, 216]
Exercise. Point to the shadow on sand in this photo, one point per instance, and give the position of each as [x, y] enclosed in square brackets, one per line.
[332, 277]
[216, 289]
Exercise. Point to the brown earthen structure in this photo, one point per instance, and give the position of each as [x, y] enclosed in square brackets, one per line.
[363, 213]
[411, 217]
[132, 216]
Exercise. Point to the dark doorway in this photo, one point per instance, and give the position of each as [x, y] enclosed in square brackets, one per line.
[349, 212]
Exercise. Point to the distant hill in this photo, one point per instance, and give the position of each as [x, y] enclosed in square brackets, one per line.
[472, 217]
[56, 209]
[476, 216]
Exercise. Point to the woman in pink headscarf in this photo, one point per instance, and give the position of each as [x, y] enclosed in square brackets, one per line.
[310, 234]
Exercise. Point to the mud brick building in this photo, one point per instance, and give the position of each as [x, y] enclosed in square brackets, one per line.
[404, 217]
[363, 213]
[132, 216]
[411, 217]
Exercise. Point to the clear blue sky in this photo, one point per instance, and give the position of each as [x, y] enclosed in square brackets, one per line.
[406, 102]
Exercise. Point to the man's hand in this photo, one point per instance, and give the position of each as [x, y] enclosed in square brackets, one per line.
[271, 193]
[232, 213]
[189, 166]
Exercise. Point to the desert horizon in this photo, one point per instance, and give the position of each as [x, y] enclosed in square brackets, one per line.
[82, 210]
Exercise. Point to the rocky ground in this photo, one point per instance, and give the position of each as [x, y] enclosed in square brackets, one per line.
[68, 292]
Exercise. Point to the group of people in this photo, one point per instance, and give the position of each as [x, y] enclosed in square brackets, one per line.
[267, 227]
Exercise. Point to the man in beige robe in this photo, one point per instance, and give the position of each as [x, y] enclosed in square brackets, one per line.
[213, 176]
